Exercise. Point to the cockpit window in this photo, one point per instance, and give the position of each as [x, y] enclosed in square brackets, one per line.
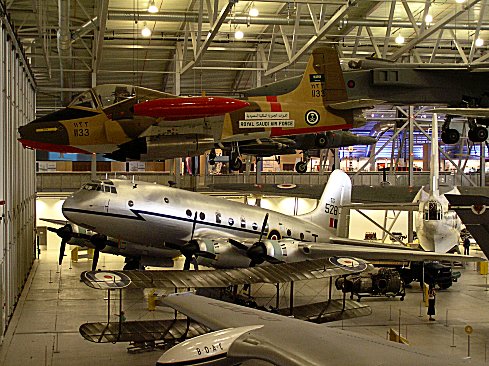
[99, 187]
[110, 94]
[84, 100]
[432, 210]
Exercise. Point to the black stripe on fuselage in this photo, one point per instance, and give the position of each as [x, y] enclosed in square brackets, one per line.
[138, 217]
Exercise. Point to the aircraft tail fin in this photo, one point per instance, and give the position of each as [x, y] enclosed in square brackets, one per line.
[329, 212]
[322, 82]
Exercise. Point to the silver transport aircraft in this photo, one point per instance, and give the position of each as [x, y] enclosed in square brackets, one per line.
[242, 334]
[220, 233]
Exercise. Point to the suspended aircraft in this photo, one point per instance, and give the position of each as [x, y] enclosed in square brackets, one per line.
[133, 123]
[463, 88]
[220, 233]
[437, 227]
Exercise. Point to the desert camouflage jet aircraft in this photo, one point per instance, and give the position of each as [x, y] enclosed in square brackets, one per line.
[133, 123]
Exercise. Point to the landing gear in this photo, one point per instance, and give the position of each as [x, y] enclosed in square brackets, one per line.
[449, 135]
[301, 167]
[478, 134]
[321, 140]
[235, 163]
[212, 157]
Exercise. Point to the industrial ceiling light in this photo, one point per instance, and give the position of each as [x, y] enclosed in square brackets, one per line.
[479, 42]
[238, 34]
[399, 39]
[152, 7]
[254, 11]
[428, 19]
[459, 1]
[145, 32]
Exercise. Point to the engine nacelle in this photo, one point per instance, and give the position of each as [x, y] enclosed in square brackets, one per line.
[207, 349]
[226, 255]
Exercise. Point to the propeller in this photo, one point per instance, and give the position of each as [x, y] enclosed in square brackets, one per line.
[191, 250]
[258, 251]
[99, 242]
[65, 233]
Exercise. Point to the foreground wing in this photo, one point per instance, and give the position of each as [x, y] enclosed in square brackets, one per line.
[279, 273]
[282, 340]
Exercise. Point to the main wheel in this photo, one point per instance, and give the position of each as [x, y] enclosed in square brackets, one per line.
[480, 134]
[451, 136]
[301, 167]
[321, 140]
[236, 164]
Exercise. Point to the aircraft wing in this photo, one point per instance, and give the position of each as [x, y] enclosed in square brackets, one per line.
[474, 213]
[56, 222]
[371, 251]
[356, 104]
[401, 206]
[279, 340]
[464, 112]
[279, 273]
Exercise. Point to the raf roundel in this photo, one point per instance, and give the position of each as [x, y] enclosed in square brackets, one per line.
[108, 279]
[348, 263]
[312, 117]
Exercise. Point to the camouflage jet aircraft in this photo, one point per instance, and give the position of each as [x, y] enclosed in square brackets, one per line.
[134, 123]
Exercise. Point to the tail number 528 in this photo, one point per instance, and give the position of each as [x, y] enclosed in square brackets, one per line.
[331, 209]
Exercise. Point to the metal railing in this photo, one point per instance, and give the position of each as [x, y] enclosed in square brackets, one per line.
[71, 181]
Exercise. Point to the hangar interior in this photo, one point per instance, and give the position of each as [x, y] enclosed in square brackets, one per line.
[414, 55]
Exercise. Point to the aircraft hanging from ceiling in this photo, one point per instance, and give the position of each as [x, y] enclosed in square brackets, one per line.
[224, 234]
[437, 227]
[133, 123]
[464, 89]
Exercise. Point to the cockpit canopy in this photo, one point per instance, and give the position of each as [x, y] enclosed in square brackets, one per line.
[100, 186]
[433, 210]
[103, 96]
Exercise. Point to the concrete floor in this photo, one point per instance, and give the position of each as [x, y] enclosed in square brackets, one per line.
[44, 330]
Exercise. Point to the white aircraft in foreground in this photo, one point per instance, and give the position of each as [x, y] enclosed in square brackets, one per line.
[243, 334]
[220, 233]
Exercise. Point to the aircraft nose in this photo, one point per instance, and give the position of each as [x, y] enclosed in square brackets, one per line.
[43, 135]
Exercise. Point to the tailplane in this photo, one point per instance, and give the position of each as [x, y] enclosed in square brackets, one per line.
[328, 212]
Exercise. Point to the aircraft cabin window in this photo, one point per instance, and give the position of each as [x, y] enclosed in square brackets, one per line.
[189, 213]
[301, 236]
[202, 216]
[231, 221]
[113, 190]
[289, 233]
[107, 189]
[218, 217]
[243, 222]
[166, 200]
[254, 226]
[130, 203]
